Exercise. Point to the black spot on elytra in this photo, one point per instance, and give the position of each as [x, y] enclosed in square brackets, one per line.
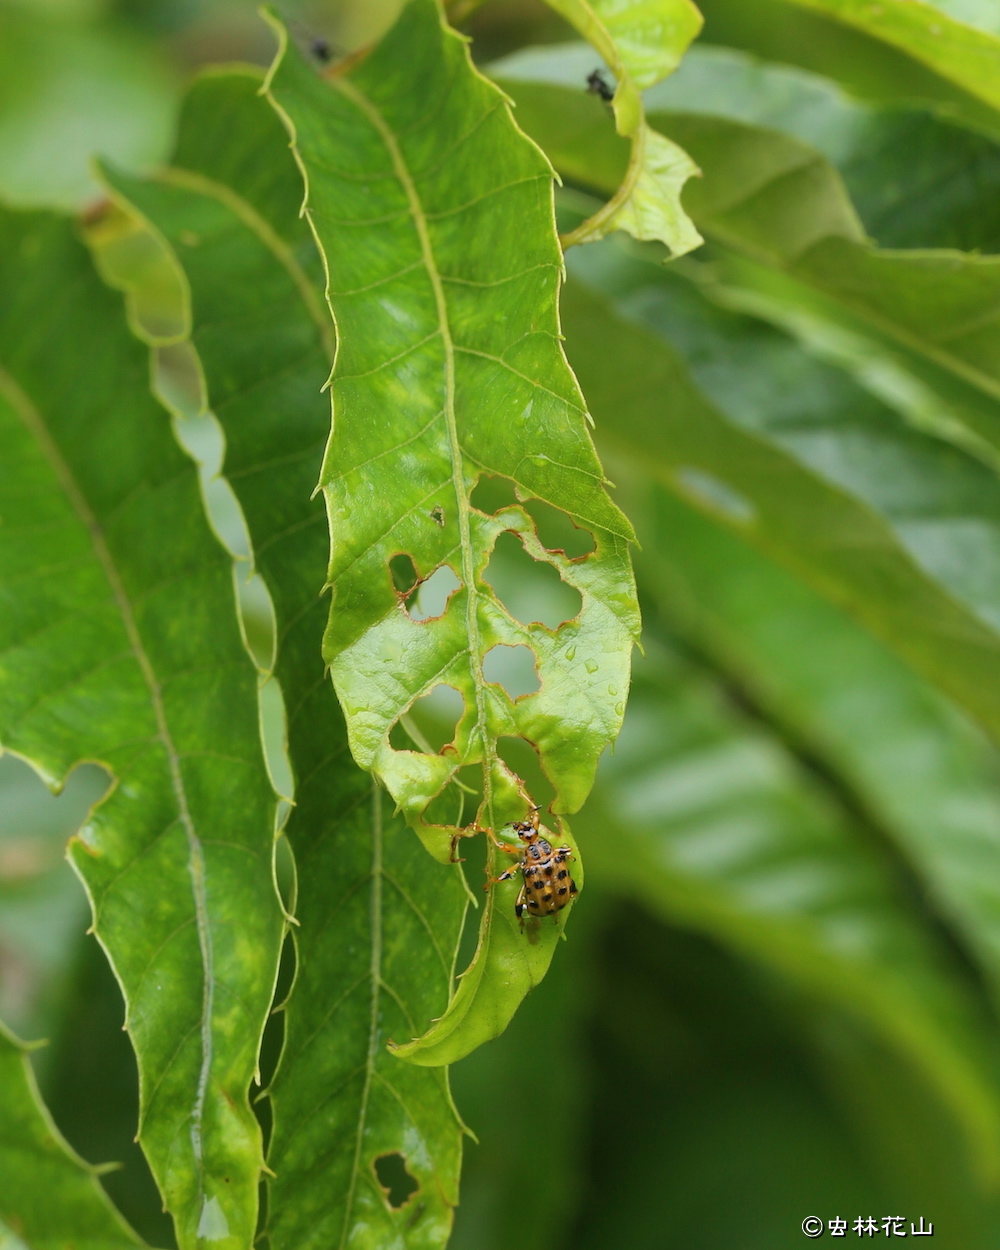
[546, 896]
[562, 889]
[562, 874]
[548, 870]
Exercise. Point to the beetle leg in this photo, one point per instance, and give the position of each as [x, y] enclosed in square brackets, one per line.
[520, 904]
[504, 876]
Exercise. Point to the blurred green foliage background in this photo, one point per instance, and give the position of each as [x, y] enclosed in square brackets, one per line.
[671, 1083]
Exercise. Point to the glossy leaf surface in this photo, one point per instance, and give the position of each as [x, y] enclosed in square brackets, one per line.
[856, 535]
[120, 648]
[916, 178]
[443, 270]
[641, 43]
[50, 1198]
[706, 820]
[909, 766]
[378, 919]
[775, 201]
[965, 54]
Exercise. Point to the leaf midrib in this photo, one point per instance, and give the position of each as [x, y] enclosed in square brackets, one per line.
[402, 172]
[33, 421]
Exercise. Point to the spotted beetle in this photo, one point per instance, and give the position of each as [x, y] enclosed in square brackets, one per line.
[547, 884]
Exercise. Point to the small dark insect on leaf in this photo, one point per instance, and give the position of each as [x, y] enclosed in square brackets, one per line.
[320, 48]
[597, 84]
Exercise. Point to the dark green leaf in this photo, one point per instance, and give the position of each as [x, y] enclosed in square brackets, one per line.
[901, 758]
[121, 647]
[50, 1199]
[770, 448]
[959, 52]
[706, 820]
[915, 177]
[777, 202]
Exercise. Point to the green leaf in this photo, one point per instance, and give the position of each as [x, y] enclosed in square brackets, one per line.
[915, 769]
[915, 177]
[902, 535]
[776, 202]
[122, 648]
[378, 919]
[72, 87]
[963, 54]
[50, 1198]
[433, 214]
[641, 43]
[704, 818]
[553, 1020]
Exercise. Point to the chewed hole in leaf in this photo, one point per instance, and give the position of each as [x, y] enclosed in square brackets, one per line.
[530, 590]
[404, 573]
[458, 802]
[513, 668]
[557, 531]
[491, 494]
[431, 596]
[522, 759]
[435, 717]
[35, 823]
[396, 1181]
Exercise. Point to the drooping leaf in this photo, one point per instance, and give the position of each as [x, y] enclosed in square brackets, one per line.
[922, 777]
[50, 1198]
[707, 821]
[433, 214]
[641, 43]
[378, 919]
[916, 178]
[773, 200]
[964, 54]
[900, 536]
[123, 648]
[552, 1021]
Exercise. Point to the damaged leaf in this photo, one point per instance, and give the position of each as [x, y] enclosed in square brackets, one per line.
[50, 1196]
[378, 920]
[122, 648]
[434, 217]
[641, 44]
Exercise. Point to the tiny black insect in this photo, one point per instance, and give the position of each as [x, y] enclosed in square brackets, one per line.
[597, 84]
[321, 49]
